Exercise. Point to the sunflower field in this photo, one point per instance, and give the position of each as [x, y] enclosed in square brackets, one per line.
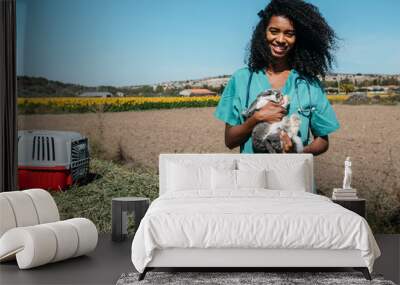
[113, 104]
[120, 104]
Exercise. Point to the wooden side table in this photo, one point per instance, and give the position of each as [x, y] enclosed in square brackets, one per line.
[119, 215]
[355, 205]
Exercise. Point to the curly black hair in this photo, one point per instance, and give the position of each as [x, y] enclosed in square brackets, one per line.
[312, 54]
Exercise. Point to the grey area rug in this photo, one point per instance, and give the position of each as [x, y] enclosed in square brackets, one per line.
[269, 278]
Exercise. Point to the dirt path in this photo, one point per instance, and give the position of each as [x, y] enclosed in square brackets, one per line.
[369, 134]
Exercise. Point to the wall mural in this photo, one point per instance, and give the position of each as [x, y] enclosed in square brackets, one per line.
[104, 87]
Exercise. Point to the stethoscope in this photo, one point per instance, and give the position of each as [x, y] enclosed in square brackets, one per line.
[306, 112]
[310, 109]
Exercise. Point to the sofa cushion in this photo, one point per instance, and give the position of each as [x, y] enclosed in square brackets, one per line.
[40, 244]
[32, 246]
[26, 208]
[7, 220]
[45, 205]
[67, 240]
[23, 208]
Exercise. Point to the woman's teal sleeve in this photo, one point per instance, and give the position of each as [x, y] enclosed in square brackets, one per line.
[323, 119]
[227, 109]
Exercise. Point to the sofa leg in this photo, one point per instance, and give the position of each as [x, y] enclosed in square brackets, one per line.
[143, 274]
[364, 271]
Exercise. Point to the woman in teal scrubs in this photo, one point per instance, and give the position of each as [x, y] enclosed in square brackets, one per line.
[291, 45]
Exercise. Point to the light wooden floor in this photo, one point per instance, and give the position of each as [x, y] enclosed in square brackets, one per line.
[110, 260]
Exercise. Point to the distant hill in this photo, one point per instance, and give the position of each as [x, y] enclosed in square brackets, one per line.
[216, 83]
[41, 87]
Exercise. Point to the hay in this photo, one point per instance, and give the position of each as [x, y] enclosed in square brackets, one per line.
[93, 200]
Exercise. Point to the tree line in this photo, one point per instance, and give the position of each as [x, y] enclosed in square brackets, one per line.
[41, 87]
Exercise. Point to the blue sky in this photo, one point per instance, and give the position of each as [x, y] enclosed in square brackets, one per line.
[131, 42]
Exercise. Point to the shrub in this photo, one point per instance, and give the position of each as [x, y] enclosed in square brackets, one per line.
[376, 99]
[357, 99]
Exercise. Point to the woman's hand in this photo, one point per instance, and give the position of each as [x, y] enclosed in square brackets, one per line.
[288, 145]
[318, 146]
[237, 135]
[270, 113]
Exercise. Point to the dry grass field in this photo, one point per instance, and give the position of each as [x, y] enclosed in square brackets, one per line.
[370, 134]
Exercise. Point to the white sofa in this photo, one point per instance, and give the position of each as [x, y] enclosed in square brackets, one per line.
[31, 231]
[282, 223]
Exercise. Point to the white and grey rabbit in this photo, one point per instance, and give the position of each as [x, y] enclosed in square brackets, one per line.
[266, 136]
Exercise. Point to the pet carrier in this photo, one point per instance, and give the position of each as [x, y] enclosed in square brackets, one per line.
[51, 160]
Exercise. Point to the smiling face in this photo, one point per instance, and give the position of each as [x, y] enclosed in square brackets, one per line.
[280, 35]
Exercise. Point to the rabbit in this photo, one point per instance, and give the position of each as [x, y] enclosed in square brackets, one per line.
[266, 136]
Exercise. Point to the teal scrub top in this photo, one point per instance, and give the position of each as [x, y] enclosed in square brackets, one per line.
[322, 122]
